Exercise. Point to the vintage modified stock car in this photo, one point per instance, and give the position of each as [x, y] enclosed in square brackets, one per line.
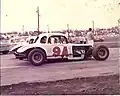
[56, 45]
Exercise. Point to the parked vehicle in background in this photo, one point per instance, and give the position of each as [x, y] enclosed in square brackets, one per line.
[4, 46]
[78, 40]
[16, 40]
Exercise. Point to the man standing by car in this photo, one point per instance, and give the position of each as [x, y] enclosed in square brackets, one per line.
[90, 37]
[90, 40]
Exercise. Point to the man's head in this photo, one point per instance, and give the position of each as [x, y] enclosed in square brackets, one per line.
[90, 29]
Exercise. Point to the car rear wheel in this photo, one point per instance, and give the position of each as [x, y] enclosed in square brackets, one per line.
[100, 52]
[36, 57]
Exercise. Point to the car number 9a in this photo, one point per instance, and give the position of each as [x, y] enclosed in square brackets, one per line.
[57, 51]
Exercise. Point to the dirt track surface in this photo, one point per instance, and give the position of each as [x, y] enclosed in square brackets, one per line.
[61, 76]
[101, 85]
[15, 71]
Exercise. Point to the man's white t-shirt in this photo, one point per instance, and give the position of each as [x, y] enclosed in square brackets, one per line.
[90, 38]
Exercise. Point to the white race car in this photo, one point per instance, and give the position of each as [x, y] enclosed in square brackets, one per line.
[56, 45]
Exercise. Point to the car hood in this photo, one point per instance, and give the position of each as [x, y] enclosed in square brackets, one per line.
[18, 45]
[28, 46]
[25, 47]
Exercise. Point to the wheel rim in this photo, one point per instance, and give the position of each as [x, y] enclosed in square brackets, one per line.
[102, 53]
[37, 57]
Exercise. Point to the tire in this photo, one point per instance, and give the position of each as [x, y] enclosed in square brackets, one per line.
[36, 57]
[20, 58]
[5, 52]
[100, 52]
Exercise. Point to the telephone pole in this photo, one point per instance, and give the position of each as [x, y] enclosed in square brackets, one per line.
[93, 27]
[68, 29]
[119, 25]
[22, 28]
[48, 28]
[38, 29]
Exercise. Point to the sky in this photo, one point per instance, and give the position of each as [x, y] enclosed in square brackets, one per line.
[79, 14]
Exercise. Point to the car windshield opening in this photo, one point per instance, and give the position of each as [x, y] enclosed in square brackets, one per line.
[36, 39]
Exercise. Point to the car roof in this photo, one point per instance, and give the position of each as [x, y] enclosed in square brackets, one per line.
[50, 34]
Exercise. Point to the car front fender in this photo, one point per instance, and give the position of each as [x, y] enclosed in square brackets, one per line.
[29, 47]
[24, 48]
[15, 47]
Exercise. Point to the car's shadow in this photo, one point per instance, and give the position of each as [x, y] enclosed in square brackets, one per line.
[51, 61]
[64, 60]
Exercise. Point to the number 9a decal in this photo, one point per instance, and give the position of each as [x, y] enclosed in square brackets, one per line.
[57, 51]
[65, 51]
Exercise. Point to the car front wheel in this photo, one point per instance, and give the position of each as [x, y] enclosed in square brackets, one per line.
[36, 57]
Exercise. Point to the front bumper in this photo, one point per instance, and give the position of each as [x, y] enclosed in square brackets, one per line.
[20, 55]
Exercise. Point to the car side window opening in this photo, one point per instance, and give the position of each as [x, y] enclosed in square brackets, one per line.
[31, 41]
[36, 39]
[63, 40]
[51, 40]
[43, 39]
[57, 39]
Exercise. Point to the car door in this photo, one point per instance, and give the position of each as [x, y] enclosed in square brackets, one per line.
[56, 48]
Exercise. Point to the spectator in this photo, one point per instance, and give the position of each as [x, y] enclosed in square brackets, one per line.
[90, 36]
